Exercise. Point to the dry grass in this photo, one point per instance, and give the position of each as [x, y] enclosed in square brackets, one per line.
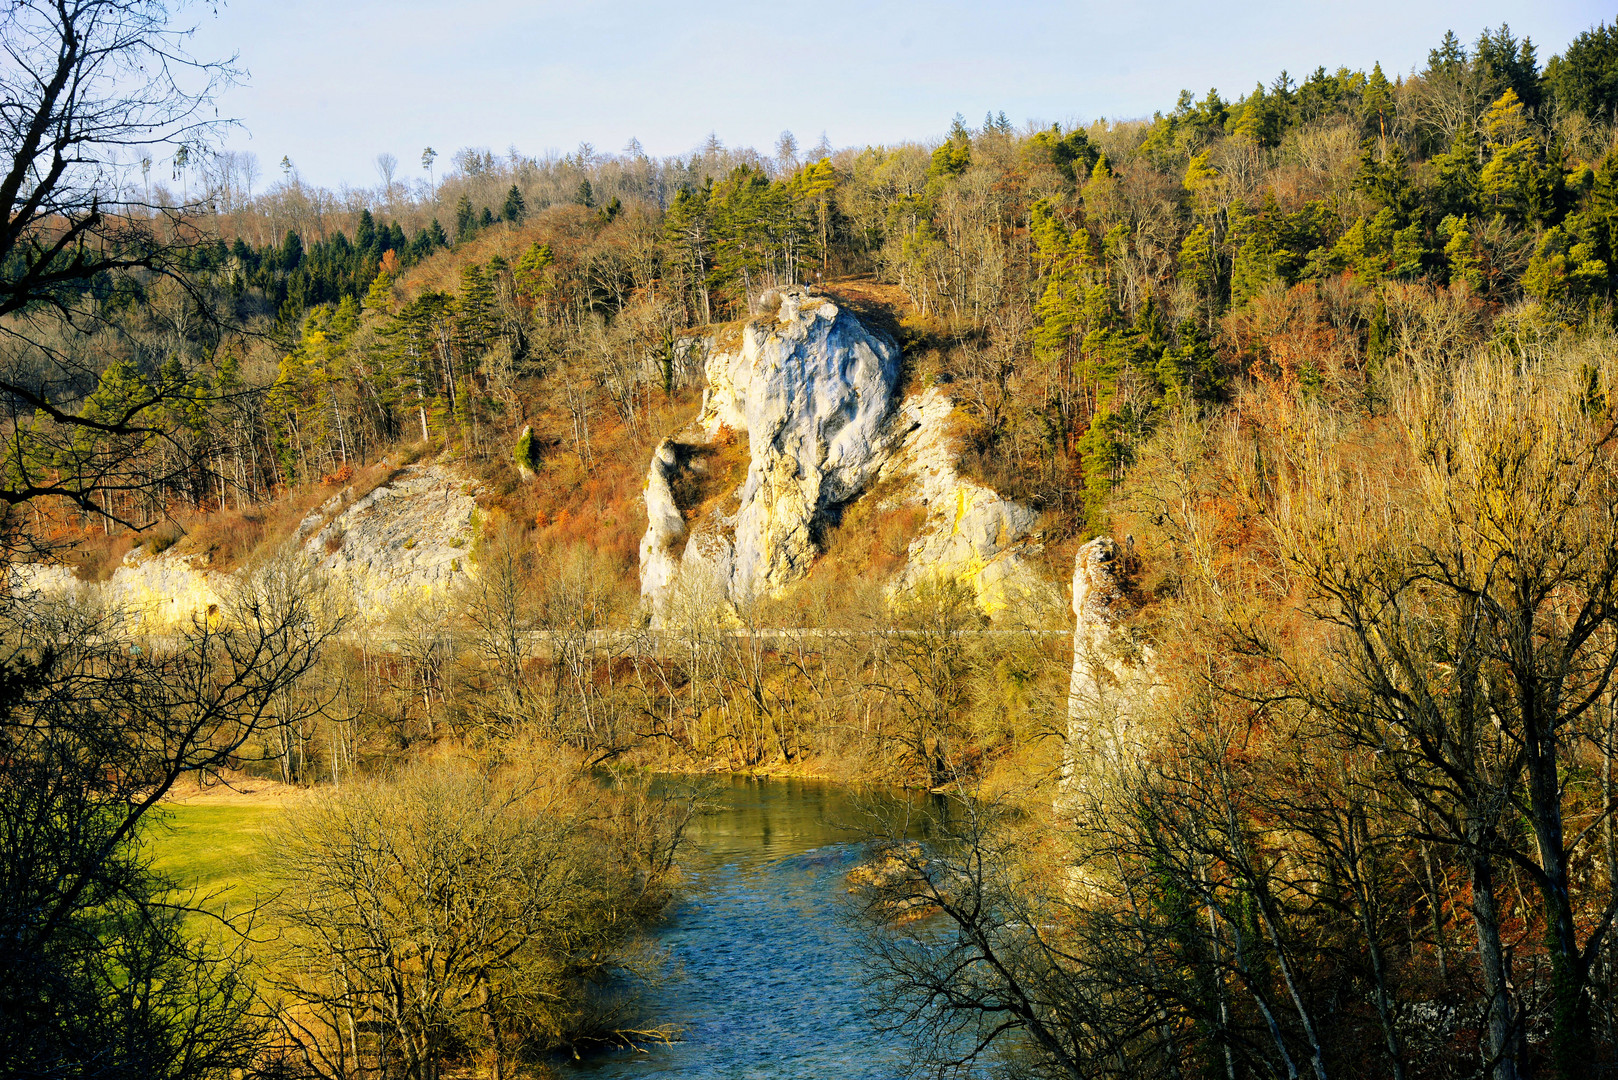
[870, 538]
[97, 555]
[593, 501]
[713, 473]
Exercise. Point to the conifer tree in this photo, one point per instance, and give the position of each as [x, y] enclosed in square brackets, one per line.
[365, 236]
[529, 273]
[1376, 104]
[515, 209]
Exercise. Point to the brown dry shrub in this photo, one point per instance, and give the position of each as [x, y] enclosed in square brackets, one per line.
[97, 555]
[871, 539]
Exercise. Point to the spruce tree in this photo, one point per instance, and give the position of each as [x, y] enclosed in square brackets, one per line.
[291, 252]
[515, 208]
[1584, 79]
[365, 235]
[1376, 104]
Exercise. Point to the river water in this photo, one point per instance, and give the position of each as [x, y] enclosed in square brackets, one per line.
[766, 975]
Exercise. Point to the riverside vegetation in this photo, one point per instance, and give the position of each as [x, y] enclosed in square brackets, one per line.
[1334, 361]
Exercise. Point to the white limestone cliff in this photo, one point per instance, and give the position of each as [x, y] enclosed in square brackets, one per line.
[153, 591]
[813, 389]
[1113, 670]
[409, 537]
[971, 533]
[665, 526]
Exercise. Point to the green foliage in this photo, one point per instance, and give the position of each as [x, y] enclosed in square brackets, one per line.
[1376, 107]
[1584, 79]
[1374, 248]
[529, 274]
[1460, 252]
[526, 452]
[1072, 154]
[1563, 271]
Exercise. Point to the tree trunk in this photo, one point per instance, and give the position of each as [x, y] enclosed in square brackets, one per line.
[1501, 1025]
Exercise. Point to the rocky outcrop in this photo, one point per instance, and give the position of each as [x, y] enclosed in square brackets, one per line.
[153, 592]
[971, 534]
[813, 389]
[665, 526]
[1113, 670]
[411, 536]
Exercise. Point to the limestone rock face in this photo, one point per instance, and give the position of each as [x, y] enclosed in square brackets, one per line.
[971, 533]
[1112, 670]
[412, 535]
[154, 592]
[164, 590]
[812, 387]
[665, 526]
[813, 390]
[409, 537]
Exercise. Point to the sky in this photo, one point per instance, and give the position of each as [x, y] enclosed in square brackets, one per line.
[331, 84]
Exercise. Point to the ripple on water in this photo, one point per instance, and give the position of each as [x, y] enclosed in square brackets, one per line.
[768, 978]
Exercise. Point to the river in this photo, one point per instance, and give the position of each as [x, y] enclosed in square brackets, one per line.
[767, 981]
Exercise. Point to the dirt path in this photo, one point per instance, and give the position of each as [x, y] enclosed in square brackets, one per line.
[230, 788]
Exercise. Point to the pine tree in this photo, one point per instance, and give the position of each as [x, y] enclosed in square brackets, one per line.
[687, 226]
[529, 274]
[1376, 104]
[515, 209]
[475, 311]
[365, 237]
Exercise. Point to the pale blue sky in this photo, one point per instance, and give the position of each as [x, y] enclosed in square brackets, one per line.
[335, 82]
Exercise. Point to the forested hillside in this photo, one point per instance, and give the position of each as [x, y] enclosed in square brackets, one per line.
[1073, 287]
[1318, 381]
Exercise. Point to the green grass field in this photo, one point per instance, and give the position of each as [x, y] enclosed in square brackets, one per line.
[216, 849]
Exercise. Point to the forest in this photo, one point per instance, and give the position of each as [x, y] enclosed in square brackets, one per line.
[1335, 360]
